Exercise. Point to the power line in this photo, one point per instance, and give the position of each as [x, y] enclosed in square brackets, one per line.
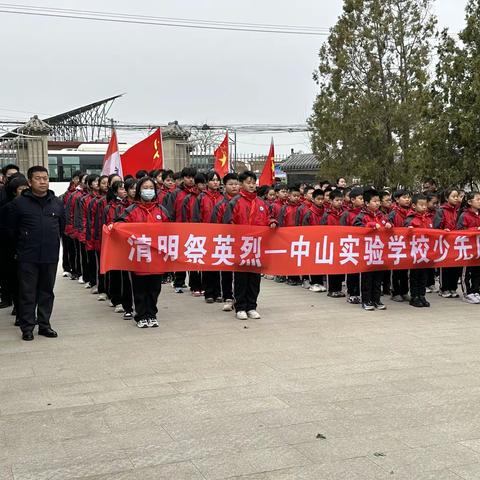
[160, 21]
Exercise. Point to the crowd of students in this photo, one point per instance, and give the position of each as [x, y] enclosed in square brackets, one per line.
[93, 201]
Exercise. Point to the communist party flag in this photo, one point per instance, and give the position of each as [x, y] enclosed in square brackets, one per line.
[144, 155]
[221, 158]
[111, 161]
[268, 173]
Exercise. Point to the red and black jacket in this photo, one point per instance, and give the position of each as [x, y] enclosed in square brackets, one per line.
[418, 220]
[204, 205]
[369, 219]
[332, 217]
[348, 217]
[288, 216]
[173, 202]
[247, 209]
[314, 215]
[219, 209]
[398, 215]
[446, 217]
[469, 219]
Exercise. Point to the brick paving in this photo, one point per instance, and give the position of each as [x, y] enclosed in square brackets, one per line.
[316, 389]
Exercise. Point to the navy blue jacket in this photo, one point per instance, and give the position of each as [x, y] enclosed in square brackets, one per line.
[37, 227]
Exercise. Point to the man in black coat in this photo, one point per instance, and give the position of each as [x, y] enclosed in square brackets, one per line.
[37, 217]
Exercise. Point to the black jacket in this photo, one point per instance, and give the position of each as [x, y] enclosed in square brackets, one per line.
[38, 225]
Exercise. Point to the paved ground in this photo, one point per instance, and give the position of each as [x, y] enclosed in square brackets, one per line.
[395, 394]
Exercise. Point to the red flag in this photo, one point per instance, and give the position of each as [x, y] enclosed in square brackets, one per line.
[268, 173]
[144, 155]
[221, 158]
[111, 161]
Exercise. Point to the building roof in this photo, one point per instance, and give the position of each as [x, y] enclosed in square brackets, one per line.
[301, 161]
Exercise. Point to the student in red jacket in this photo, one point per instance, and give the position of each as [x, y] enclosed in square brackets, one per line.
[470, 220]
[247, 209]
[446, 219]
[432, 205]
[202, 213]
[397, 217]
[371, 282]
[313, 216]
[173, 202]
[166, 185]
[288, 217]
[305, 204]
[332, 218]
[146, 287]
[346, 220]
[418, 218]
[281, 194]
[231, 189]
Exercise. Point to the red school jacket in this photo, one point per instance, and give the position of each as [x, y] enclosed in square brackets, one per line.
[348, 217]
[288, 215]
[398, 215]
[247, 209]
[369, 219]
[446, 217]
[469, 220]
[313, 216]
[204, 205]
[418, 220]
[332, 217]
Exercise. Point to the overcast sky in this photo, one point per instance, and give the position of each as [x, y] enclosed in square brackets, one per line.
[52, 65]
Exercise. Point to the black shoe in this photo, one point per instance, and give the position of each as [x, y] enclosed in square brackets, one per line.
[416, 302]
[27, 336]
[17, 323]
[14, 312]
[48, 332]
[379, 306]
[424, 302]
[5, 304]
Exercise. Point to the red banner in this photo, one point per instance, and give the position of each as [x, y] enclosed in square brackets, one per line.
[170, 247]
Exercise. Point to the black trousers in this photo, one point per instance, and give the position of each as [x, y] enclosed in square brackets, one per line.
[100, 276]
[35, 298]
[78, 257]
[335, 282]
[92, 267]
[127, 294]
[5, 269]
[317, 279]
[371, 286]
[84, 262]
[65, 254]
[227, 285]
[431, 277]
[179, 279]
[353, 284]
[449, 278]
[418, 282]
[146, 289]
[470, 280]
[195, 281]
[246, 287]
[387, 282]
[211, 282]
[114, 291]
[399, 282]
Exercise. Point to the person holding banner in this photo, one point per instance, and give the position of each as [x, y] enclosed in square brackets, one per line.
[247, 209]
[371, 282]
[146, 287]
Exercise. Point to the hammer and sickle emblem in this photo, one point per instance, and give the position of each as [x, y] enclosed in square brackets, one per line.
[157, 153]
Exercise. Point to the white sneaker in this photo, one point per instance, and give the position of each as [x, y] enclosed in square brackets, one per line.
[241, 315]
[94, 291]
[228, 306]
[322, 288]
[432, 288]
[152, 322]
[445, 294]
[428, 290]
[306, 284]
[269, 277]
[119, 309]
[478, 296]
[88, 285]
[80, 280]
[253, 314]
[315, 288]
[454, 293]
[102, 297]
[471, 298]
[66, 274]
[142, 324]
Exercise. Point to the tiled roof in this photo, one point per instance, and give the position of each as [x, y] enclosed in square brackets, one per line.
[301, 161]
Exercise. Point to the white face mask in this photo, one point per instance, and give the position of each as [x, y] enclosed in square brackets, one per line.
[147, 194]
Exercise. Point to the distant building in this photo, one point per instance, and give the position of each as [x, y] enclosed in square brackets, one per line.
[301, 168]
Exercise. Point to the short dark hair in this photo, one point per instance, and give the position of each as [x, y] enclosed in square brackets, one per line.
[318, 193]
[76, 173]
[188, 172]
[36, 169]
[129, 182]
[229, 176]
[177, 176]
[91, 178]
[280, 186]
[111, 177]
[308, 187]
[400, 193]
[383, 193]
[356, 192]
[369, 194]
[141, 174]
[10, 166]
[113, 189]
[294, 188]
[336, 194]
[247, 174]
[211, 175]
[199, 178]
[128, 177]
[417, 197]
[167, 173]
[155, 173]
[432, 195]
[430, 180]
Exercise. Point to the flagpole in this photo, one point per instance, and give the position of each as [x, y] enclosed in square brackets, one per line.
[235, 151]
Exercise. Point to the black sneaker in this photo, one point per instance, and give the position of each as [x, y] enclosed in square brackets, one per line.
[368, 306]
[425, 302]
[416, 302]
[379, 306]
[128, 315]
